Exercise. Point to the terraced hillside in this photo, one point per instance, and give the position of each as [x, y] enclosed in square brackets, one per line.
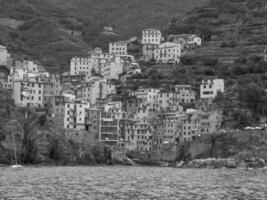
[55, 30]
[235, 28]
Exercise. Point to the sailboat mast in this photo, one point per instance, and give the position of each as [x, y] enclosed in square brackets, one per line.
[14, 146]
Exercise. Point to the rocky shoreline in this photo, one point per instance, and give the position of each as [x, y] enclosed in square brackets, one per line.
[223, 163]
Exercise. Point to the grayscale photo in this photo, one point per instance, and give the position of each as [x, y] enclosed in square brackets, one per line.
[133, 99]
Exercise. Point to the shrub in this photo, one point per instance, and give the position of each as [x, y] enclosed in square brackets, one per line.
[231, 44]
[189, 59]
[210, 61]
[241, 60]
[255, 59]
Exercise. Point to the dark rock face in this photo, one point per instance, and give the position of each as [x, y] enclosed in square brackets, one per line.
[238, 147]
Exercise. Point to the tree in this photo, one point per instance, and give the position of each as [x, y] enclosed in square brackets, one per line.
[250, 95]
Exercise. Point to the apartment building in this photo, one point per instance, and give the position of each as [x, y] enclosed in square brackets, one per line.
[112, 70]
[169, 128]
[4, 56]
[168, 52]
[81, 66]
[118, 48]
[151, 39]
[191, 128]
[29, 93]
[147, 95]
[184, 94]
[151, 36]
[210, 88]
[74, 116]
[95, 89]
[138, 135]
[92, 120]
[211, 122]
[109, 129]
[165, 99]
[148, 51]
[56, 109]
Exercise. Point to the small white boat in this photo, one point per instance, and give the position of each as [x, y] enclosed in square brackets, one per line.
[16, 166]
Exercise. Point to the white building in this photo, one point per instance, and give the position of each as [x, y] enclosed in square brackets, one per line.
[74, 117]
[95, 89]
[184, 94]
[194, 40]
[186, 40]
[168, 52]
[118, 48]
[148, 95]
[151, 36]
[82, 66]
[210, 88]
[112, 70]
[29, 94]
[4, 55]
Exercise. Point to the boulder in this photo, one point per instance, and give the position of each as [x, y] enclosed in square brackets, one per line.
[231, 163]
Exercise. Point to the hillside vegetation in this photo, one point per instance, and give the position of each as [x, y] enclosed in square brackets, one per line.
[235, 36]
[46, 35]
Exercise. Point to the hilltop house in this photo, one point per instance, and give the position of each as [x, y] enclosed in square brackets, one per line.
[4, 55]
[210, 88]
[186, 40]
[168, 52]
[118, 48]
[151, 39]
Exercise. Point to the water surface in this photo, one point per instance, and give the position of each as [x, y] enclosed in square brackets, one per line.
[131, 183]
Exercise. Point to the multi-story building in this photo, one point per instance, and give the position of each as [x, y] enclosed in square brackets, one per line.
[92, 120]
[4, 55]
[210, 88]
[148, 51]
[112, 70]
[29, 93]
[151, 36]
[165, 99]
[81, 66]
[148, 95]
[115, 109]
[74, 117]
[138, 135]
[118, 48]
[100, 58]
[72, 79]
[120, 64]
[184, 94]
[151, 39]
[191, 125]
[56, 109]
[168, 52]
[109, 129]
[168, 128]
[95, 89]
[211, 122]
[52, 87]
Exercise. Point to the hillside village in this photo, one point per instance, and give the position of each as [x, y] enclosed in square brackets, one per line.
[84, 103]
[180, 89]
